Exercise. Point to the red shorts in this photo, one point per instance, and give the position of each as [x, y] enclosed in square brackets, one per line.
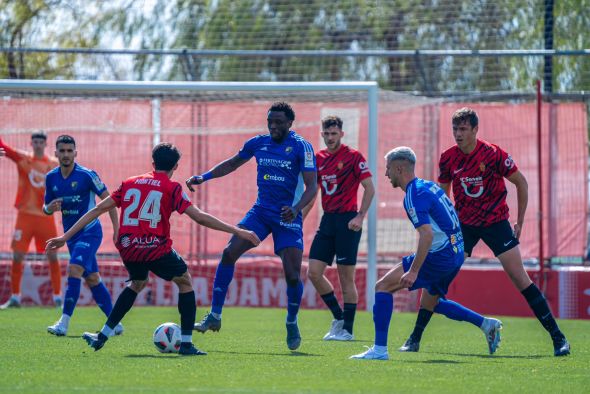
[32, 226]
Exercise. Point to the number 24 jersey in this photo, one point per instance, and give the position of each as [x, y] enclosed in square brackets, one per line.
[147, 202]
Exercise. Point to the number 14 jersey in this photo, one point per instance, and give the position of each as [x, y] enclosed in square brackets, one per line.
[146, 203]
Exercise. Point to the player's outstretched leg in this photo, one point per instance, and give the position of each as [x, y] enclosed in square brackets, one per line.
[455, 311]
[382, 311]
[538, 304]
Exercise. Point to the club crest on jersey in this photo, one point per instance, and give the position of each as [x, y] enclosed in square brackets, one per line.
[288, 149]
[482, 167]
[74, 185]
[340, 165]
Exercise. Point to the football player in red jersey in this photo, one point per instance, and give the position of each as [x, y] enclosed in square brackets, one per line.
[340, 171]
[144, 243]
[476, 170]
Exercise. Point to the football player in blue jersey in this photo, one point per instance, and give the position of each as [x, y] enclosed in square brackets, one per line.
[71, 189]
[286, 183]
[438, 258]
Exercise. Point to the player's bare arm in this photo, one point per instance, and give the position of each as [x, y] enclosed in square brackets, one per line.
[114, 217]
[105, 205]
[356, 223]
[288, 214]
[210, 221]
[425, 235]
[305, 211]
[522, 197]
[220, 170]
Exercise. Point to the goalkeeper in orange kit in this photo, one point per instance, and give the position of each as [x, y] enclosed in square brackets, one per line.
[31, 222]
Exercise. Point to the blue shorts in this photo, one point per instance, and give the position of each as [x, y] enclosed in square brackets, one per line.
[437, 272]
[264, 222]
[83, 250]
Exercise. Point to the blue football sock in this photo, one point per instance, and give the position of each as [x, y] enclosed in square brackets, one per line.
[458, 312]
[223, 277]
[72, 295]
[101, 296]
[294, 294]
[382, 311]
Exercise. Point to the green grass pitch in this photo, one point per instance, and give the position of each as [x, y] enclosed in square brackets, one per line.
[249, 355]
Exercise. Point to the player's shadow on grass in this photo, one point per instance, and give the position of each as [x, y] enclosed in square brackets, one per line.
[434, 361]
[160, 356]
[491, 356]
[291, 354]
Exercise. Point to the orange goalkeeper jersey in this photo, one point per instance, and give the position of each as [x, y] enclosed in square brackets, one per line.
[31, 179]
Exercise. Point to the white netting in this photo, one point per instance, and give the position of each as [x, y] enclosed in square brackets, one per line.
[115, 134]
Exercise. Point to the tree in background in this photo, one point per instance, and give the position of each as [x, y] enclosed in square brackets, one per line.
[288, 25]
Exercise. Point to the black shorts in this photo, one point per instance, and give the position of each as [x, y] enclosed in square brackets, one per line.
[499, 237]
[334, 238]
[166, 267]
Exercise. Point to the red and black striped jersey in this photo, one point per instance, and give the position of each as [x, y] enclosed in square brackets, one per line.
[339, 176]
[478, 182]
[146, 203]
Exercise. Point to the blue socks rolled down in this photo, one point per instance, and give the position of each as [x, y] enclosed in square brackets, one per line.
[294, 294]
[71, 296]
[458, 312]
[382, 311]
[223, 277]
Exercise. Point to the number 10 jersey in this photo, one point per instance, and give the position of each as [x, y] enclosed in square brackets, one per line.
[147, 202]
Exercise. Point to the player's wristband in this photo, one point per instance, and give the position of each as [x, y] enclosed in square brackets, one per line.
[45, 211]
[207, 176]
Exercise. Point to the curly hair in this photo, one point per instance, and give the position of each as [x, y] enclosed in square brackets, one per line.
[281, 106]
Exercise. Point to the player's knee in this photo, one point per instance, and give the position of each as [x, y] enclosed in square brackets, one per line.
[229, 256]
[75, 271]
[138, 285]
[381, 286]
[348, 289]
[314, 275]
[184, 281]
[93, 279]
